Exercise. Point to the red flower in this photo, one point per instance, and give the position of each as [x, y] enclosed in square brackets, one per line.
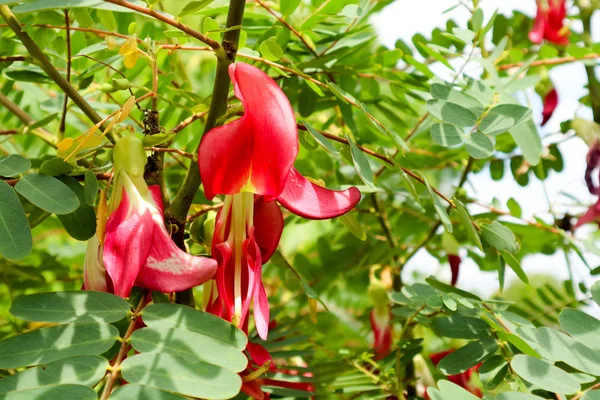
[259, 362]
[381, 324]
[550, 103]
[250, 160]
[454, 261]
[548, 23]
[463, 380]
[138, 249]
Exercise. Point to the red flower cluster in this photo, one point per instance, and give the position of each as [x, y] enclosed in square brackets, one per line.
[548, 23]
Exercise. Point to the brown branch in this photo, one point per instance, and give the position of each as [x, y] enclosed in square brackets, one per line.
[290, 27]
[174, 23]
[101, 176]
[550, 61]
[383, 158]
[114, 370]
[12, 58]
[188, 121]
[9, 132]
[63, 118]
[203, 210]
[98, 32]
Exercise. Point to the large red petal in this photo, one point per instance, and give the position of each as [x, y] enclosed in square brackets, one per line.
[268, 225]
[304, 198]
[255, 152]
[128, 236]
[170, 269]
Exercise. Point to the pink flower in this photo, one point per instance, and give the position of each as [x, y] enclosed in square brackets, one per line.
[250, 160]
[548, 23]
[138, 249]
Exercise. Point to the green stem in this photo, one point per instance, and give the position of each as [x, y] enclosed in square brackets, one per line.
[48, 68]
[593, 84]
[180, 206]
[218, 106]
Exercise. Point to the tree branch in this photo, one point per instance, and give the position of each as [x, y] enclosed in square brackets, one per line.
[27, 120]
[48, 68]
[61, 127]
[549, 61]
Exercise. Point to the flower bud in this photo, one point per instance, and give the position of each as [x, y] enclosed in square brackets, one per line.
[129, 155]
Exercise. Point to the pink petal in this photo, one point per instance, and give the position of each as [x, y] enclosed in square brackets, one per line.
[261, 311]
[591, 215]
[170, 269]
[128, 237]
[268, 226]
[308, 200]
[223, 253]
[156, 196]
[255, 152]
[550, 103]
[536, 35]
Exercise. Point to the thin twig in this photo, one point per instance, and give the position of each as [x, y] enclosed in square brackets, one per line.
[12, 58]
[188, 121]
[98, 32]
[174, 23]
[101, 176]
[383, 158]
[406, 139]
[288, 26]
[549, 61]
[61, 126]
[203, 210]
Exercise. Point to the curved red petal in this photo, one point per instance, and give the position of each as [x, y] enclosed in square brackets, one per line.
[591, 215]
[268, 226]
[311, 201]
[128, 236]
[170, 269]
[259, 355]
[550, 103]
[255, 152]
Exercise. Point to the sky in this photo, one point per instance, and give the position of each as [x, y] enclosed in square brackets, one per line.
[403, 19]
